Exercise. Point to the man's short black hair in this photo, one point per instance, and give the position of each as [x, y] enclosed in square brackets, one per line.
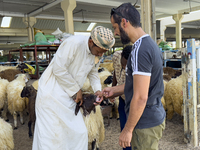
[127, 11]
[126, 51]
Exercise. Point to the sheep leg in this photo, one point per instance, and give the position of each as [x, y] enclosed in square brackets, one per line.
[29, 126]
[15, 120]
[93, 144]
[21, 118]
[4, 112]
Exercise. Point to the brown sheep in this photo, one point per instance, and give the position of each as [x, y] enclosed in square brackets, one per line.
[171, 72]
[9, 74]
[30, 93]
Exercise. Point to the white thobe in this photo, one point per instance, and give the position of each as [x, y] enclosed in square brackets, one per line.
[57, 127]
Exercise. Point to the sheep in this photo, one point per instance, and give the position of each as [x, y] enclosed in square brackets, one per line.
[6, 136]
[107, 65]
[15, 102]
[173, 96]
[105, 78]
[93, 120]
[7, 67]
[166, 77]
[30, 92]
[9, 74]
[3, 97]
[106, 109]
[171, 72]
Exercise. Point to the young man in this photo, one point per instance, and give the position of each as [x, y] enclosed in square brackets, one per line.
[119, 63]
[57, 127]
[144, 82]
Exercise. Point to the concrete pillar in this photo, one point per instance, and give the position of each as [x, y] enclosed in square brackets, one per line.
[148, 17]
[68, 7]
[162, 30]
[178, 18]
[29, 22]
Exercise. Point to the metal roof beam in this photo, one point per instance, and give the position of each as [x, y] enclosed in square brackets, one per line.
[37, 11]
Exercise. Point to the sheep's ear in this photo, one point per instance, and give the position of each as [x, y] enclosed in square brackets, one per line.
[77, 108]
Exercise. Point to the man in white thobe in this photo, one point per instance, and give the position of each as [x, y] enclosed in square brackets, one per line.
[57, 127]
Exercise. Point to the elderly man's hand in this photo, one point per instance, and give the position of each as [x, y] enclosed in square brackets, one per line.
[79, 97]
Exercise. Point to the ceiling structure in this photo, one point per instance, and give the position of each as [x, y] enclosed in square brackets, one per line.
[50, 16]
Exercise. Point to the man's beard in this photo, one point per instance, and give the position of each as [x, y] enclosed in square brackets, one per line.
[124, 37]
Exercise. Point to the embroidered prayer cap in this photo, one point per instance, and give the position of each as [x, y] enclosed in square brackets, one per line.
[103, 37]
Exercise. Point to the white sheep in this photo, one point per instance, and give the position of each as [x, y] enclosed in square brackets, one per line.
[3, 98]
[6, 67]
[108, 66]
[6, 136]
[103, 75]
[15, 102]
[173, 96]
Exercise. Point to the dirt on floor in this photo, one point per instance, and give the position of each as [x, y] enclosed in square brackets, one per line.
[172, 137]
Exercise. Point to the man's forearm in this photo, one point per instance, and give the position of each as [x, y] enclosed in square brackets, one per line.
[137, 107]
[119, 90]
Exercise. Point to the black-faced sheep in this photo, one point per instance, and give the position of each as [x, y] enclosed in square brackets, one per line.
[93, 120]
[15, 102]
[30, 92]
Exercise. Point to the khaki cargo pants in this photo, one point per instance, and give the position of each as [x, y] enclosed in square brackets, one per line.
[147, 139]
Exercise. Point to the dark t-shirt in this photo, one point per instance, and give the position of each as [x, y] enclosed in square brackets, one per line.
[146, 59]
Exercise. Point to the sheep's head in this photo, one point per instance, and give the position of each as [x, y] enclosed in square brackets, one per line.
[28, 91]
[88, 104]
[108, 80]
[22, 66]
[23, 76]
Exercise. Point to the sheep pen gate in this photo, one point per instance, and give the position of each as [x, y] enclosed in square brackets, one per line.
[190, 61]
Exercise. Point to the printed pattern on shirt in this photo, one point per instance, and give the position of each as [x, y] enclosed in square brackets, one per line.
[119, 72]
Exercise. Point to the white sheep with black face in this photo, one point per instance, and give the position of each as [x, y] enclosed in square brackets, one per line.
[15, 102]
[93, 120]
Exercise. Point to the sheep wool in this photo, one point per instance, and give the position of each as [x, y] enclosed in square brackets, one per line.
[15, 102]
[7, 67]
[14, 89]
[6, 136]
[173, 96]
[3, 97]
[35, 84]
[102, 75]
[95, 126]
[107, 65]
